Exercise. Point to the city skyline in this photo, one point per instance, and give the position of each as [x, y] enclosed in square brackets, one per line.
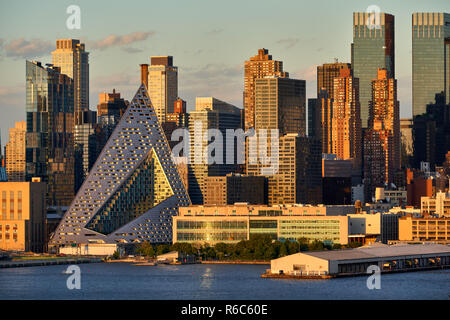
[208, 66]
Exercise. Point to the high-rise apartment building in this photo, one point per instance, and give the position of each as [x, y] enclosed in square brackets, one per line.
[382, 139]
[346, 120]
[325, 114]
[132, 191]
[162, 85]
[73, 60]
[89, 139]
[259, 66]
[372, 48]
[280, 104]
[430, 58]
[178, 119]
[49, 138]
[326, 74]
[15, 152]
[210, 113]
[110, 109]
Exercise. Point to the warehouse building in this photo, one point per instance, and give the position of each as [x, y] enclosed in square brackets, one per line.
[356, 261]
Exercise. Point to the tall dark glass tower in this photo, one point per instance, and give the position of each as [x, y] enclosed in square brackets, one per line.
[372, 48]
[49, 137]
[430, 59]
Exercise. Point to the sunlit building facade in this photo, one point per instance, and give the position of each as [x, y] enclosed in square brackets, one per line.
[15, 152]
[162, 85]
[346, 118]
[382, 139]
[73, 59]
[258, 66]
[234, 223]
[23, 216]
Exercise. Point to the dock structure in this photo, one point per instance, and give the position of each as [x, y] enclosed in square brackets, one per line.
[354, 262]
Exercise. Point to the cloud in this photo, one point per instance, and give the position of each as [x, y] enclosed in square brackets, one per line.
[289, 42]
[224, 82]
[121, 40]
[308, 74]
[132, 50]
[21, 48]
[124, 83]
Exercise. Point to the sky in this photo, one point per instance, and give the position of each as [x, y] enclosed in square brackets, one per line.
[209, 40]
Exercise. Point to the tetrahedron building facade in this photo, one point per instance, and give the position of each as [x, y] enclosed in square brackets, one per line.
[133, 189]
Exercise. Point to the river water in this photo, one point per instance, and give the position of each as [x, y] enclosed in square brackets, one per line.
[209, 281]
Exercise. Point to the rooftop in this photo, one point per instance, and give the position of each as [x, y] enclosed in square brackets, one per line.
[378, 251]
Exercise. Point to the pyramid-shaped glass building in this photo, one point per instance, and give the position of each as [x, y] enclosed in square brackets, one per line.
[133, 189]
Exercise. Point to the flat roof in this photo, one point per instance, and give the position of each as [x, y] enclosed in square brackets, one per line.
[380, 251]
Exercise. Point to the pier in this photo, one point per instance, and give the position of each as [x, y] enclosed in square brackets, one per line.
[46, 262]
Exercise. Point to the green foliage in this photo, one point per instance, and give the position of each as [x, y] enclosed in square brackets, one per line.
[162, 248]
[183, 247]
[116, 255]
[316, 245]
[145, 249]
[258, 248]
[355, 244]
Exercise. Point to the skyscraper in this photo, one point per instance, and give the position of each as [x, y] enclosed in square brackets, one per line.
[71, 57]
[49, 139]
[259, 66]
[382, 138]
[15, 152]
[430, 58]
[110, 109]
[133, 189]
[372, 48]
[294, 175]
[346, 120]
[210, 113]
[325, 114]
[162, 85]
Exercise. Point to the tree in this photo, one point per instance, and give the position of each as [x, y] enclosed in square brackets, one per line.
[283, 250]
[303, 242]
[316, 245]
[162, 248]
[145, 249]
[116, 255]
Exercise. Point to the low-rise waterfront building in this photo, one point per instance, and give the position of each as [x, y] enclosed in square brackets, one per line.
[356, 261]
